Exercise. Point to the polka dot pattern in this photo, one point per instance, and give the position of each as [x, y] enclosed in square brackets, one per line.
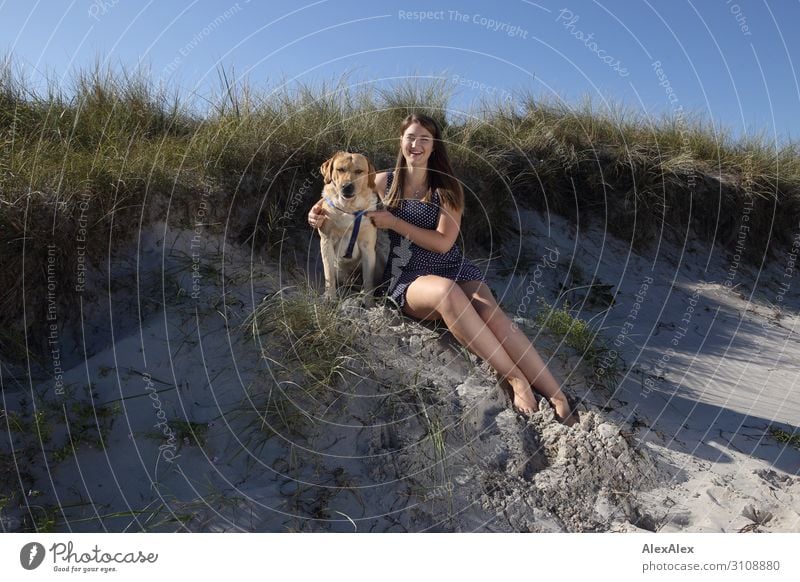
[407, 261]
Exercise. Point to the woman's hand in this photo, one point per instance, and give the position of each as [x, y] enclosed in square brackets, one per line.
[383, 219]
[317, 215]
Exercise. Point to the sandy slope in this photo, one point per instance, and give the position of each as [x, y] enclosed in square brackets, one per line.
[424, 439]
[705, 407]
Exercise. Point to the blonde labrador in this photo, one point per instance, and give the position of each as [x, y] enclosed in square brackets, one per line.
[349, 191]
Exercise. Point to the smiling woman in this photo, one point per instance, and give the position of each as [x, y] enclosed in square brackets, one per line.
[427, 276]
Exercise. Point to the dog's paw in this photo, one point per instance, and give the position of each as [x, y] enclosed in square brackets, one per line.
[329, 297]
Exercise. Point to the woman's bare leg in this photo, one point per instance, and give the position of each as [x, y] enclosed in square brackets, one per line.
[434, 297]
[517, 346]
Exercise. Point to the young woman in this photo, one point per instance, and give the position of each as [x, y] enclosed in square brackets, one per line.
[428, 277]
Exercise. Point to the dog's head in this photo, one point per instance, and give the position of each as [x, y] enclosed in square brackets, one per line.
[350, 174]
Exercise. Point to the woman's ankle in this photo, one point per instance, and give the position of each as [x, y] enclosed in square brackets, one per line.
[519, 380]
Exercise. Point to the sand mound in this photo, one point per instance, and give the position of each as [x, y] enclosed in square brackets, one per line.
[476, 464]
[405, 431]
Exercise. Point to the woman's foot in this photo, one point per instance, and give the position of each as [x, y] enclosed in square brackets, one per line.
[564, 414]
[524, 400]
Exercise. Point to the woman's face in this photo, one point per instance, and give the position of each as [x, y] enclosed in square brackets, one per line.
[417, 144]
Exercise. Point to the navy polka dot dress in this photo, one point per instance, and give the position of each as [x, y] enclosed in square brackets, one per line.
[407, 261]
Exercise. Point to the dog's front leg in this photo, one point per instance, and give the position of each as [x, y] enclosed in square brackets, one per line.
[328, 251]
[367, 248]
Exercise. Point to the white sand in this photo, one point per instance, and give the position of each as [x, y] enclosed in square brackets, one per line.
[688, 451]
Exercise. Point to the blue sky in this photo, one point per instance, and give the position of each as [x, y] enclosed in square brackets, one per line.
[732, 62]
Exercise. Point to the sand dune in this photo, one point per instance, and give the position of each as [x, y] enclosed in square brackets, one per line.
[416, 434]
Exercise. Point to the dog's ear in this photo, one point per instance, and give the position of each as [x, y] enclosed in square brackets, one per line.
[371, 175]
[326, 167]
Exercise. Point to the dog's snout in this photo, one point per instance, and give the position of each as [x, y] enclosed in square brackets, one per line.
[348, 190]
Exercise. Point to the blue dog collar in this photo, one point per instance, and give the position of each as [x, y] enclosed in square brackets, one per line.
[356, 225]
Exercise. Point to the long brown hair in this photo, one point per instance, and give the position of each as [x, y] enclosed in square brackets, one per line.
[440, 171]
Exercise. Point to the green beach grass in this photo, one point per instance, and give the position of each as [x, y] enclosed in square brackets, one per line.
[86, 164]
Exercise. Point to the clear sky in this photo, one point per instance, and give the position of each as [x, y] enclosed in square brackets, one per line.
[733, 62]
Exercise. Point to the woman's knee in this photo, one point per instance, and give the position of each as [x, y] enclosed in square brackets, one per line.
[483, 301]
[453, 297]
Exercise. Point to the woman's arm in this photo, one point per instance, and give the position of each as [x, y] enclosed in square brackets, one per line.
[439, 240]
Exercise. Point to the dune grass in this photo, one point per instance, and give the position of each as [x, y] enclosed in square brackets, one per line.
[84, 165]
[306, 343]
[314, 337]
[43, 433]
[784, 437]
[603, 363]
